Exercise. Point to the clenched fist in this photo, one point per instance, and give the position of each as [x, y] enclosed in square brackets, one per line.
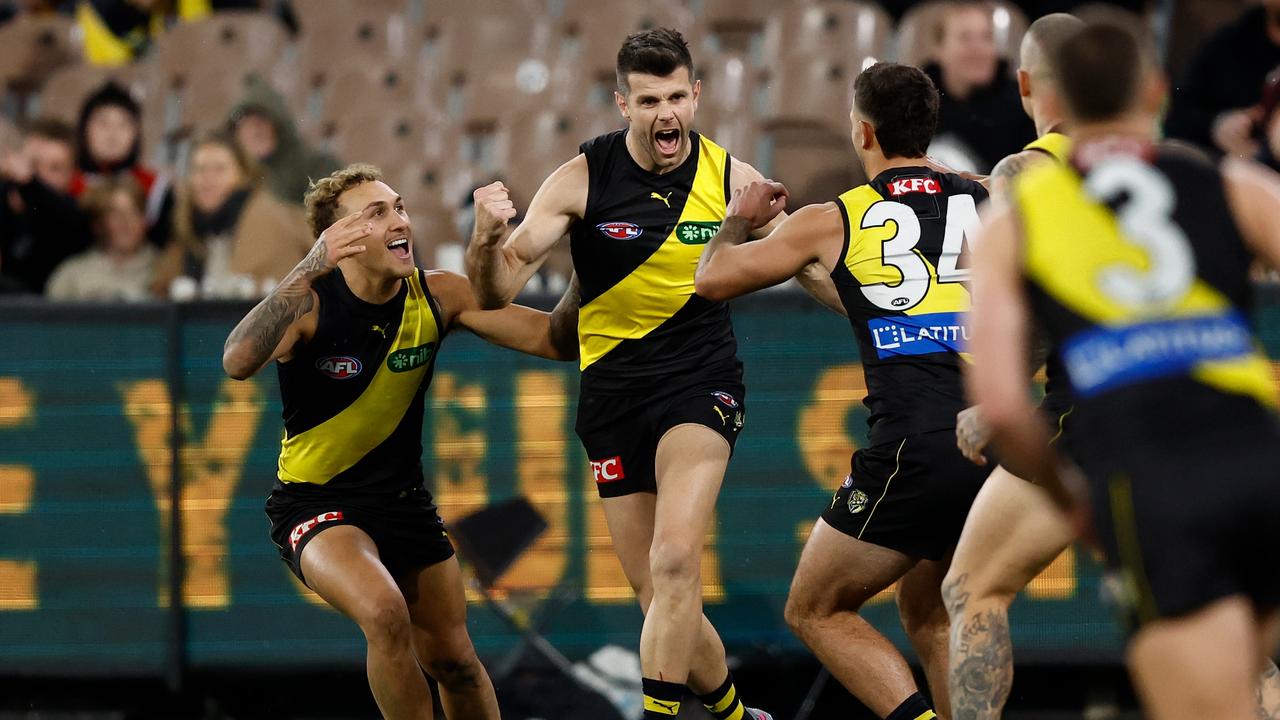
[494, 210]
[758, 202]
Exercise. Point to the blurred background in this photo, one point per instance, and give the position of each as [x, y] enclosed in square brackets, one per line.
[153, 158]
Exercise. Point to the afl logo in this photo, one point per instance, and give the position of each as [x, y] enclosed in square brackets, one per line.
[725, 398]
[620, 230]
[899, 302]
[340, 367]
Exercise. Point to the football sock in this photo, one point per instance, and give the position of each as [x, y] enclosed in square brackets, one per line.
[661, 699]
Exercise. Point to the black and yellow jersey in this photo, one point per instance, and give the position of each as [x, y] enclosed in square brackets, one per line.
[1139, 274]
[1054, 144]
[636, 251]
[1057, 389]
[902, 285]
[353, 394]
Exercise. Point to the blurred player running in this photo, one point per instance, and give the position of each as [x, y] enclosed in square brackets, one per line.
[1139, 272]
[355, 329]
[892, 249]
[662, 399]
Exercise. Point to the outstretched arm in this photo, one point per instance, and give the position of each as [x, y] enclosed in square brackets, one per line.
[730, 266]
[549, 335]
[499, 265]
[814, 278]
[286, 315]
[1254, 195]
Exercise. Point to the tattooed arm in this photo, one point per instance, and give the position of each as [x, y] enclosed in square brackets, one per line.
[287, 315]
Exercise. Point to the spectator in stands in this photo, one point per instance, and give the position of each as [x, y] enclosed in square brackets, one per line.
[109, 137]
[1215, 102]
[40, 224]
[231, 238]
[117, 32]
[120, 264]
[981, 115]
[262, 124]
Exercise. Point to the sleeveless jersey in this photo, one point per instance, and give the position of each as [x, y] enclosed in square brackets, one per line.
[1139, 274]
[1057, 388]
[636, 251]
[906, 296]
[1056, 145]
[353, 395]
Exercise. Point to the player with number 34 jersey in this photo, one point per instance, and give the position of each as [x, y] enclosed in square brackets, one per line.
[893, 248]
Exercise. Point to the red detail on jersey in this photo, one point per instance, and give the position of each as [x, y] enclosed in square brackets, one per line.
[929, 186]
[303, 528]
[608, 470]
[620, 230]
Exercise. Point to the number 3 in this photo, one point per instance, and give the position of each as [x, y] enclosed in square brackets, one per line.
[1144, 218]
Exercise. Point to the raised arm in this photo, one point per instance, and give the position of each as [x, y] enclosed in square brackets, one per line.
[550, 335]
[730, 266]
[287, 314]
[814, 278]
[499, 264]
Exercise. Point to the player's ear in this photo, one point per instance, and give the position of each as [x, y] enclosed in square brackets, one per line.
[867, 135]
[697, 90]
[1155, 91]
[1024, 83]
[622, 104]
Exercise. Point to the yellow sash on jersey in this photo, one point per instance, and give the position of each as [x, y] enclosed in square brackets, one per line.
[663, 284]
[1069, 238]
[318, 454]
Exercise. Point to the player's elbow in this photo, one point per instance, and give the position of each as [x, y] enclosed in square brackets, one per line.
[235, 367]
[711, 287]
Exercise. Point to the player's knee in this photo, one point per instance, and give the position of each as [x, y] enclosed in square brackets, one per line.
[386, 624]
[675, 563]
[457, 671]
[800, 612]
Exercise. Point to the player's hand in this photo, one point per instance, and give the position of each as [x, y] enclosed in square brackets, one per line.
[1070, 492]
[1233, 132]
[337, 242]
[972, 434]
[494, 210]
[759, 202]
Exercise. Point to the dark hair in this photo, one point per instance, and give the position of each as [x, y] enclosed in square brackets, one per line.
[51, 129]
[1099, 68]
[110, 94]
[901, 104]
[652, 52]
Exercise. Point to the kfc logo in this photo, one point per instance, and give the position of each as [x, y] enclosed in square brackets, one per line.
[607, 470]
[928, 186]
[305, 527]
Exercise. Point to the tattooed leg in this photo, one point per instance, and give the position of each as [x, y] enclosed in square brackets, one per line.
[981, 654]
[1269, 692]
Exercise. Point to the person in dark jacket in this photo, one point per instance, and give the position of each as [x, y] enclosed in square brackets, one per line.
[263, 126]
[981, 119]
[40, 222]
[109, 144]
[1215, 101]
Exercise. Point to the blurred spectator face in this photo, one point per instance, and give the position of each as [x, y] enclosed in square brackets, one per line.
[257, 135]
[215, 175]
[123, 225]
[967, 52]
[52, 161]
[110, 133]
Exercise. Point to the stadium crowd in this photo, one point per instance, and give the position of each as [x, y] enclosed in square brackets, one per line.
[156, 149]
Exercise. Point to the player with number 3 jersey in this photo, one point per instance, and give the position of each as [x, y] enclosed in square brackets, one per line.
[1139, 272]
[893, 248]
